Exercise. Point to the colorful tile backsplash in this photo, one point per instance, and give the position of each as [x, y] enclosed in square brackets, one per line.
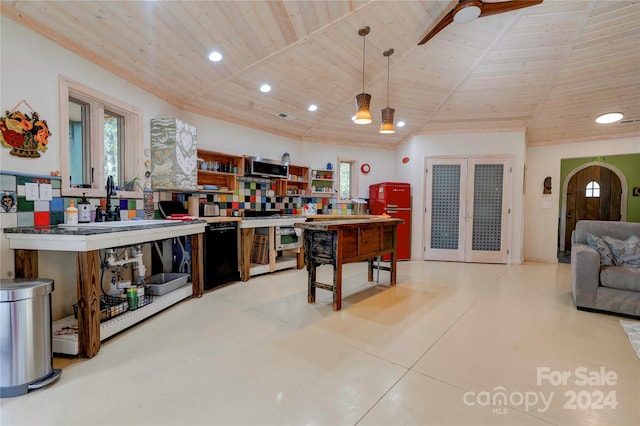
[251, 194]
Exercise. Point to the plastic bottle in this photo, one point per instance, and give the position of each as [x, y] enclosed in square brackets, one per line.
[113, 288]
[84, 210]
[71, 214]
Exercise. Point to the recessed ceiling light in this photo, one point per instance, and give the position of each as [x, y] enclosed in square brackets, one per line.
[215, 56]
[400, 124]
[313, 107]
[265, 88]
[610, 117]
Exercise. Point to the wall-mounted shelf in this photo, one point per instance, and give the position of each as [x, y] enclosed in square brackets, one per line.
[322, 183]
[221, 178]
[297, 184]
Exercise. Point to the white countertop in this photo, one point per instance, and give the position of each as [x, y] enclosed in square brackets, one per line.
[88, 239]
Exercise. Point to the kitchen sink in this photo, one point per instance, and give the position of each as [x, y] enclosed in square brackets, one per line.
[118, 224]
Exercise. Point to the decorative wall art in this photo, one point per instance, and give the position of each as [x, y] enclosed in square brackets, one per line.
[174, 147]
[9, 202]
[24, 134]
[547, 185]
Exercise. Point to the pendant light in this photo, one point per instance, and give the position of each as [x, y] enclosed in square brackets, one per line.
[363, 115]
[387, 113]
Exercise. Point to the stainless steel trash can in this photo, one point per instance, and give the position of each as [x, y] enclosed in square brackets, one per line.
[26, 359]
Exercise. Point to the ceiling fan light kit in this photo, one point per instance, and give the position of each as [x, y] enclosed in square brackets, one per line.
[468, 10]
[363, 100]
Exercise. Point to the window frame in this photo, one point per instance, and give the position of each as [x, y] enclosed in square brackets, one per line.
[590, 191]
[132, 145]
[353, 179]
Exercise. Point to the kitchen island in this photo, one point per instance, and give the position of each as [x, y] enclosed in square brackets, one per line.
[336, 242]
[86, 241]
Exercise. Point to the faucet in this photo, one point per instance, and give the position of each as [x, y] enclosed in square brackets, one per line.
[109, 215]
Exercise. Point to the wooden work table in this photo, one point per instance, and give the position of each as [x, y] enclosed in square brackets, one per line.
[345, 241]
[85, 242]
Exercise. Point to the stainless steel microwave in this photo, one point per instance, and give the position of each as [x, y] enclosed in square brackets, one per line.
[258, 166]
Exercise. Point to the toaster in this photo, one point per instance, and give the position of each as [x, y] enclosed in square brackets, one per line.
[210, 209]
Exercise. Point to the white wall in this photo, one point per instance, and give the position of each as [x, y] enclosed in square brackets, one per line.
[541, 233]
[29, 70]
[418, 148]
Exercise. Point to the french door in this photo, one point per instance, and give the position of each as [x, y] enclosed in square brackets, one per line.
[467, 209]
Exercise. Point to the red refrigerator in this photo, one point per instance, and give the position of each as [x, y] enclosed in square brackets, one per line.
[394, 199]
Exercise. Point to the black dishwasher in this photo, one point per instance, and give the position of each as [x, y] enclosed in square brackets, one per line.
[220, 256]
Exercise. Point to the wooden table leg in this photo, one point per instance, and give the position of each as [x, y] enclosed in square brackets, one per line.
[337, 272]
[246, 241]
[311, 287]
[394, 265]
[370, 269]
[300, 258]
[197, 277]
[87, 267]
[26, 263]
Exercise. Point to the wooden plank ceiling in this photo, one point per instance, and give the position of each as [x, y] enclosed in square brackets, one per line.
[549, 69]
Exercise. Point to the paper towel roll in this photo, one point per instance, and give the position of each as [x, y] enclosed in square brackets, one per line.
[194, 206]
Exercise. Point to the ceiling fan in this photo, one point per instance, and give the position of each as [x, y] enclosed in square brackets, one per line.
[468, 10]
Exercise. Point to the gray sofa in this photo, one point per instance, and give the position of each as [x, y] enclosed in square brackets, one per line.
[612, 289]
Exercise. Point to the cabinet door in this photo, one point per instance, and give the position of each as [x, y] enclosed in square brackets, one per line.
[467, 212]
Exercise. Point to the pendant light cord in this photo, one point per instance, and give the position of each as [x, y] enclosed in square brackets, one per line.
[364, 43]
[388, 77]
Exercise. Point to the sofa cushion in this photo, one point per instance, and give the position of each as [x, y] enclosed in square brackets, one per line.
[615, 229]
[599, 245]
[625, 253]
[620, 278]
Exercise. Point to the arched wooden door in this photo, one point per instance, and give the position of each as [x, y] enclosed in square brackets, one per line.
[593, 193]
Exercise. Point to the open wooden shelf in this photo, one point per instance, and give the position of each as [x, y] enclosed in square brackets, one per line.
[297, 184]
[221, 179]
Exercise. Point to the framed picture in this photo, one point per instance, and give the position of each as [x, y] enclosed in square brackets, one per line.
[636, 191]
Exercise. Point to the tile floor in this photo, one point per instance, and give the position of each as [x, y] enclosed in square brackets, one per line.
[445, 347]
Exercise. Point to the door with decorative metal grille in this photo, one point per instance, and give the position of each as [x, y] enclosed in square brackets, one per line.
[467, 211]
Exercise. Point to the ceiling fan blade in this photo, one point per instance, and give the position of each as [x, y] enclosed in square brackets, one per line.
[448, 18]
[506, 6]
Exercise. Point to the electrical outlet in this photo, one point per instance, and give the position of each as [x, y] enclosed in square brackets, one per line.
[32, 192]
[46, 192]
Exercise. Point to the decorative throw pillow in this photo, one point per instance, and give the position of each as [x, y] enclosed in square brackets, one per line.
[625, 253]
[598, 244]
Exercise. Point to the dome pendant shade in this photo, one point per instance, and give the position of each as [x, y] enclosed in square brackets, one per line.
[387, 120]
[363, 115]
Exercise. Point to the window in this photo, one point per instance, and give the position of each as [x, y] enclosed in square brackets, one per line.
[104, 139]
[347, 183]
[593, 189]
